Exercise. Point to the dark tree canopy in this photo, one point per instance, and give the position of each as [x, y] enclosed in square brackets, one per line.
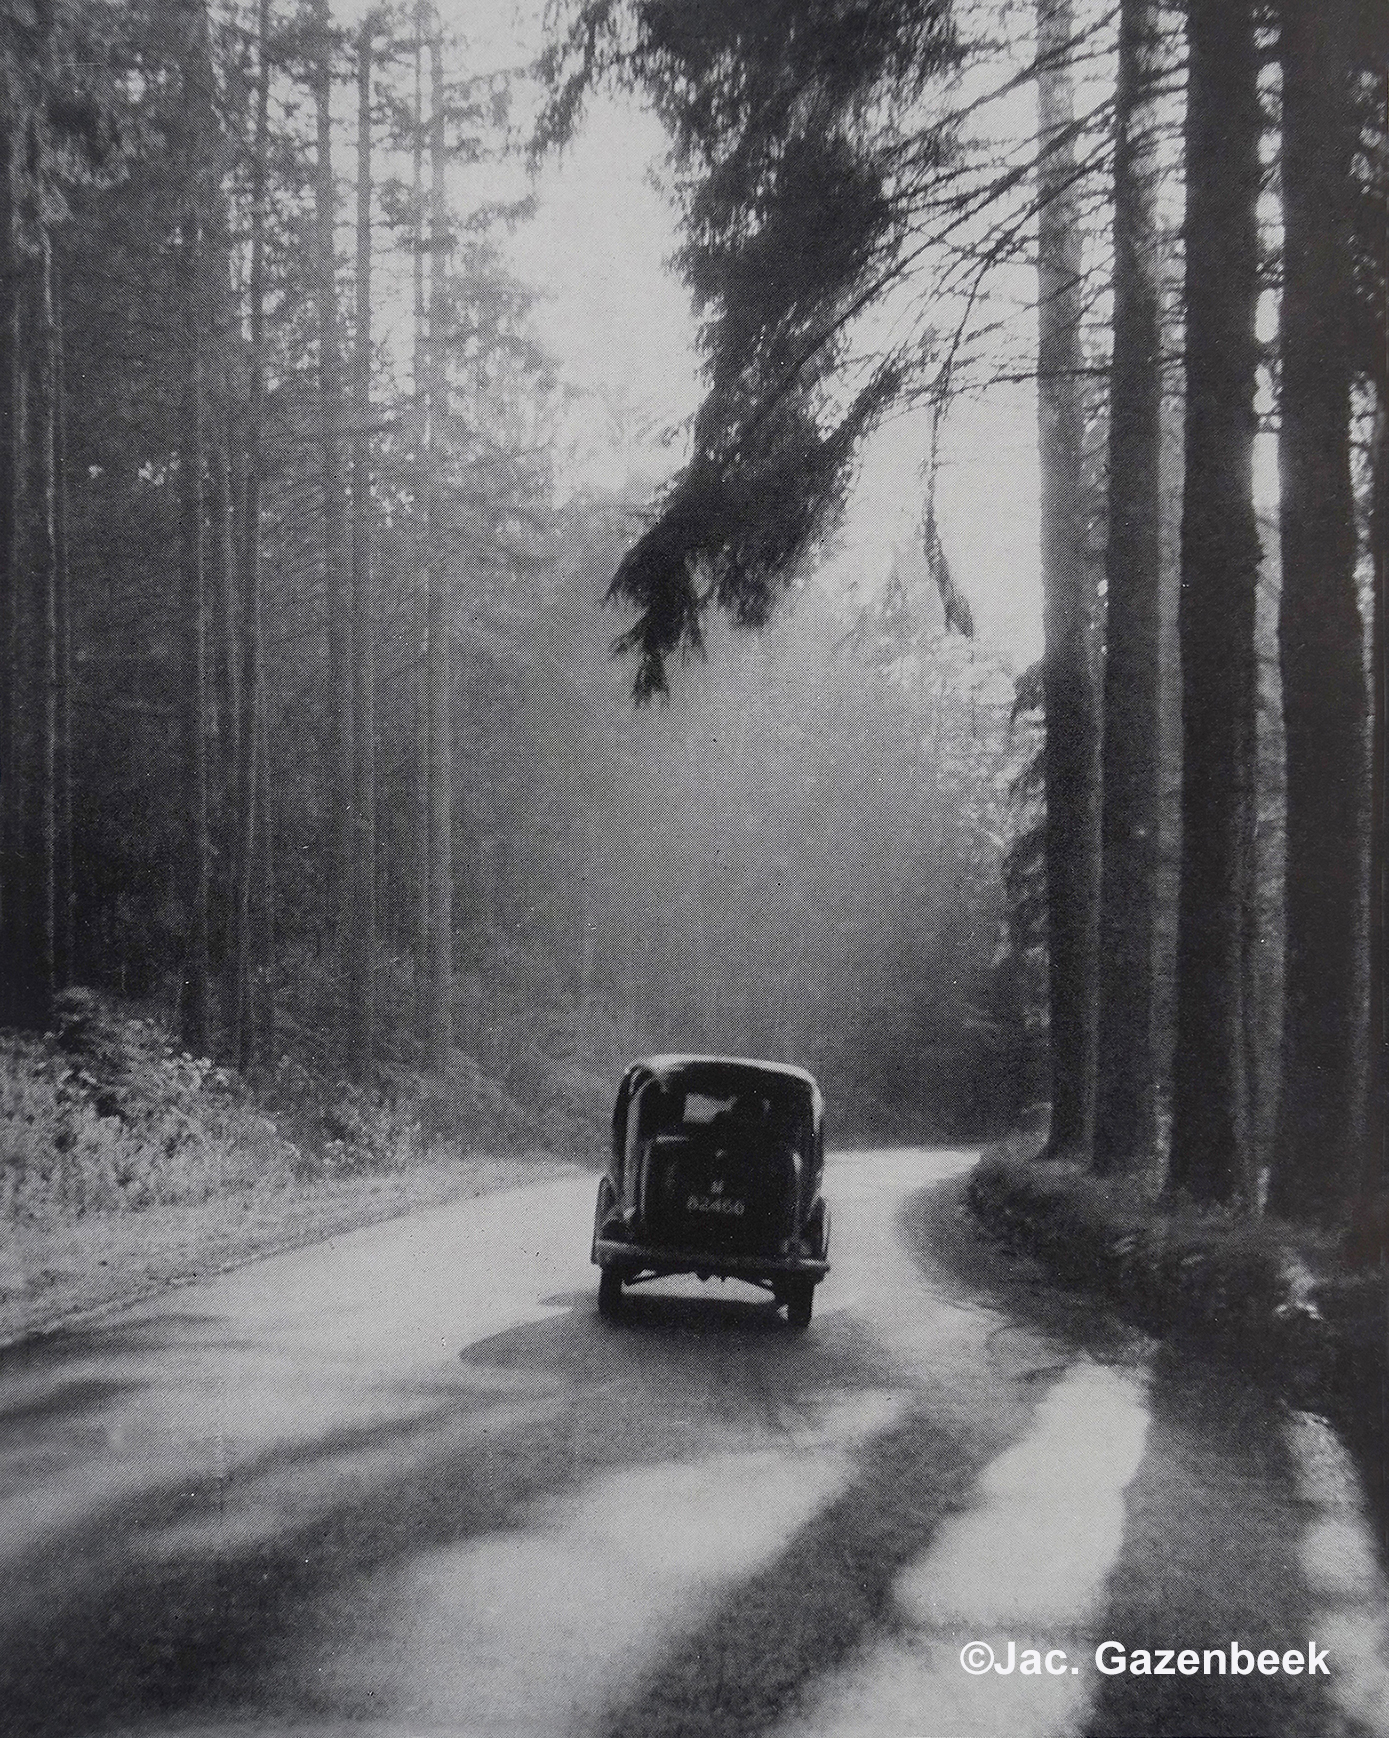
[796, 145]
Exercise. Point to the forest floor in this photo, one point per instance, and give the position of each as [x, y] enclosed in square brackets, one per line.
[128, 1166]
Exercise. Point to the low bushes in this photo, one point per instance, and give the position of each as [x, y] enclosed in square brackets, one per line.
[105, 1115]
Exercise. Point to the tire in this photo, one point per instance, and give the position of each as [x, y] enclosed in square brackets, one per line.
[600, 1212]
[823, 1241]
[800, 1301]
[610, 1294]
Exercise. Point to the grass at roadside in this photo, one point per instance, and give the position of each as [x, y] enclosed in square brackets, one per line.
[53, 1272]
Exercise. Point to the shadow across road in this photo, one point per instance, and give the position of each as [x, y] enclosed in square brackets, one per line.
[224, 1592]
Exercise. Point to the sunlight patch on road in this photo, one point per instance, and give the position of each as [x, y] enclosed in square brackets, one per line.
[1027, 1564]
[866, 1174]
[1351, 1618]
[529, 1628]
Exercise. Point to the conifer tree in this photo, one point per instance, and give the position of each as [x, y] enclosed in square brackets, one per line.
[1126, 1065]
[1220, 554]
[1316, 1149]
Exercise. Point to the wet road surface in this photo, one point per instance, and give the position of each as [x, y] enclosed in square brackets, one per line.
[407, 1482]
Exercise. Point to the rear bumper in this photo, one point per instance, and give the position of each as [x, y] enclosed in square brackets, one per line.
[649, 1258]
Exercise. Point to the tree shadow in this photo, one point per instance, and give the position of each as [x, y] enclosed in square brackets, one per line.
[1207, 1543]
[207, 1595]
[1206, 1539]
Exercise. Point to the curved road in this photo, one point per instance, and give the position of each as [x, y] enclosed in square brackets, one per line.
[406, 1482]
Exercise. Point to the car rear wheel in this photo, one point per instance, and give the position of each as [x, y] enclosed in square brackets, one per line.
[800, 1301]
[610, 1293]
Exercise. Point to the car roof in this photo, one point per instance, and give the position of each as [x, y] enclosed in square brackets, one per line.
[676, 1063]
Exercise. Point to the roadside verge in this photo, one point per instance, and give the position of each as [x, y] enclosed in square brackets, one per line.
[1278, 1301]
[54, 1274]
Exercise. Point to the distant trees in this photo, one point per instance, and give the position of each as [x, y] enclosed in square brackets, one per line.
[219, 457]
[53, 127]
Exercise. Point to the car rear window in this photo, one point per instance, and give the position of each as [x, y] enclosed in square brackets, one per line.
[701, 1108]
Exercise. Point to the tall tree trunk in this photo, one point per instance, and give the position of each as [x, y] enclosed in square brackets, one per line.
[194, 635]
[1125, 1060]
[1375, 1169]
[11, 563]
[1220, 565]
[1072, 737]
[64, 884]
[252, 816]
[440, 671]
[421, 551]
[1321, 646]
[336, 557]
[363, 955]
[36, 667]
[264, 1008]
[241, 1040]
[224, 674]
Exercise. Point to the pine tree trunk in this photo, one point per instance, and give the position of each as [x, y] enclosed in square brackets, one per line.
[264, 999]
[224, 675]
[194, 635]
[11, 565]
[1072, 736]
[1220, 565]
[440, 670]
[336, 555]
[1374, 1175]
[363, 954]
[252, 818]
[420, 542]
[36, 664]
[1125, 1060]
[64, 884]
[241, 1023]
[1321, 649]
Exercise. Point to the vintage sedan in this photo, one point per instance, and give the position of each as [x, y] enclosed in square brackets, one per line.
[715, 1169]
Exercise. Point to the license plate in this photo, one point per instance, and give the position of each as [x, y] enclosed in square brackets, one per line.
[716, 1206]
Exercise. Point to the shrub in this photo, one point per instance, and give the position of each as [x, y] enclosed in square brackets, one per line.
[107, 1115]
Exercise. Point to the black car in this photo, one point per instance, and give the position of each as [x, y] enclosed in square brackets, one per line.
[716, 1168]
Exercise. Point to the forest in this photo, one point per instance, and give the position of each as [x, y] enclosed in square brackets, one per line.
[338, 725]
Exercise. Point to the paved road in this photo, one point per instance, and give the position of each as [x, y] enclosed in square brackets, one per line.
[407, 1482]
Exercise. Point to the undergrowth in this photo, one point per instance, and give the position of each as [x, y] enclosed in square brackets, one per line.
[107, 1115]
